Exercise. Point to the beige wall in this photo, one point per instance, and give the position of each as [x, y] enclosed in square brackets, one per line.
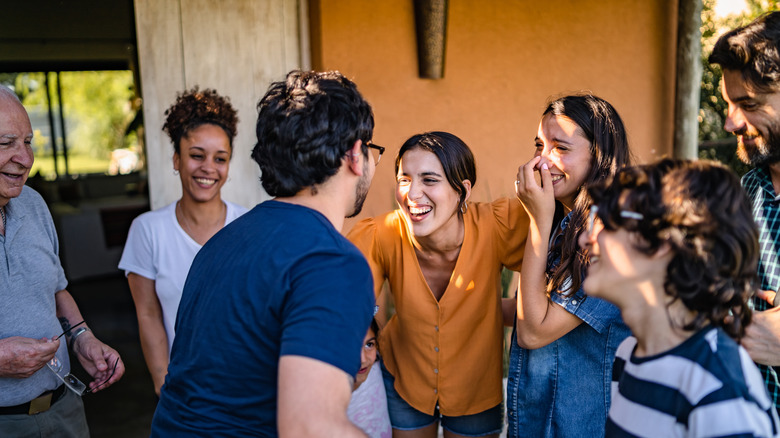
[235, 46]
[504, 59]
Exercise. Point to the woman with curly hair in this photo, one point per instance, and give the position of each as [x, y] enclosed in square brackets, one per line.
[674, 246]
[161, 244]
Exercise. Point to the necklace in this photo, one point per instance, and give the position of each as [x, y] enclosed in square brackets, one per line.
[186, 223]
[184, 219]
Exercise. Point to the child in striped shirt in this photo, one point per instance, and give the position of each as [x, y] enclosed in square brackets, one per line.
[674, 246]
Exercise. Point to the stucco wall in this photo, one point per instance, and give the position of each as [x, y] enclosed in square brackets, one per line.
[234, 46]
[504, 59]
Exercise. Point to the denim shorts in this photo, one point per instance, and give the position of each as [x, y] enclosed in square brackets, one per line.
[405, 417]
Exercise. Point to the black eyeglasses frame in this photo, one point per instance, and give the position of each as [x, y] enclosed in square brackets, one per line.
[381, 150]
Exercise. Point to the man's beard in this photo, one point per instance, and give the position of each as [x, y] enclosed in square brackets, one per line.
[764, 151]
[361, 191]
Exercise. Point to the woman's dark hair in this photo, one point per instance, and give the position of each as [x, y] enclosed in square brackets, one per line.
[600, 124]
[753, 51]
[305, 126]
[701, 211]
[194, 108]
[455, 157]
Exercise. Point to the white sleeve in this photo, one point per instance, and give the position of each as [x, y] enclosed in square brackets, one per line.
[138, 255]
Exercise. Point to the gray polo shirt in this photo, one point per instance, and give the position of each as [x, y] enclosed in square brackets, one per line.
[30, 275]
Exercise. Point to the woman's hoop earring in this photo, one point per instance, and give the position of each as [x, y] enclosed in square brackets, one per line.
[175, 172]
[464, 208]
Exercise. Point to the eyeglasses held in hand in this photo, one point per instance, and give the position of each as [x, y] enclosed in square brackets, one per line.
[71, 381]
[68, 330]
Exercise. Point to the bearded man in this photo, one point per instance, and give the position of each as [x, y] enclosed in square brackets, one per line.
[750, 59]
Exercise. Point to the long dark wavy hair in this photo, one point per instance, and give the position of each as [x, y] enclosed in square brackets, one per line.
[700, 209]
[602, 126]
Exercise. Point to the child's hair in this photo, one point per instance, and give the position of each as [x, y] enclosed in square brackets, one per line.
[601, 125]
[701, 211]
[375, 327]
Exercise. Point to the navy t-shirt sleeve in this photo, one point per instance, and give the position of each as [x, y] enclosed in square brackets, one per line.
[329, 308]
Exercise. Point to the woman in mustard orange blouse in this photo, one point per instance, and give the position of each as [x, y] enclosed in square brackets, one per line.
[442, 256]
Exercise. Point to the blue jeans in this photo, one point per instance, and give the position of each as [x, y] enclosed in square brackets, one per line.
[405, 417]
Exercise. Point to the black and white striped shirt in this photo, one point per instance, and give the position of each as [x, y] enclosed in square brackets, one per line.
[705, 387]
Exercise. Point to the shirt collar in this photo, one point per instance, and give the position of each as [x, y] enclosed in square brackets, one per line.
[765, 183]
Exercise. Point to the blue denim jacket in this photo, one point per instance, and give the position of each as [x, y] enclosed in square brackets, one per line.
[563, 389]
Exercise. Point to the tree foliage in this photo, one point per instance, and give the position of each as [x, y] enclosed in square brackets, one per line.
[98, 107]
[716, 142]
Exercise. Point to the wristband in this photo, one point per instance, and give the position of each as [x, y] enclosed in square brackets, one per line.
[76, 334]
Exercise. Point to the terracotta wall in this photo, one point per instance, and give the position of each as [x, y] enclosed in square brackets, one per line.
[504, 59]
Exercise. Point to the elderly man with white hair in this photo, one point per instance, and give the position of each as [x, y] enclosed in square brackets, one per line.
[39, 319]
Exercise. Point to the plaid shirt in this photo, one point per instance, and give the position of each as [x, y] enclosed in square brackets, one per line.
[766, 212]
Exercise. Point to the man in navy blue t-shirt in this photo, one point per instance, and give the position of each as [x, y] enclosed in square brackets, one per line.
[276, 305]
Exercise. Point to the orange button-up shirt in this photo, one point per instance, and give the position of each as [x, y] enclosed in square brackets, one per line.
[449, 351]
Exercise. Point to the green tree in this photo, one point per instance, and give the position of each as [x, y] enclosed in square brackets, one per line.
[98, 108]
[716, 143]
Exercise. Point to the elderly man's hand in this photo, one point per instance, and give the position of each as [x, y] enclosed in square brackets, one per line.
[22, 357]
[99, 360]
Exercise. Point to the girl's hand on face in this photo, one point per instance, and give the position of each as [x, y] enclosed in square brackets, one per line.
[538, 201]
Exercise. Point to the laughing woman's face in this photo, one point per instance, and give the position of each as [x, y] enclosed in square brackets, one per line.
[424, 195]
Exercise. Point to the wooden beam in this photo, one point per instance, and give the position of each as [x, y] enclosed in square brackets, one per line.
[688, 81]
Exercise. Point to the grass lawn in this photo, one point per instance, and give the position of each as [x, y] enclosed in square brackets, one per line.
[76, 164]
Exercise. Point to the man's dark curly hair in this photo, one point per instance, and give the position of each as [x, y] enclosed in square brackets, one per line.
[305, 126]
[700, 209]
[753, 51]
[194, 108]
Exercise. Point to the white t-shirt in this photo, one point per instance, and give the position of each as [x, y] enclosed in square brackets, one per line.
[368, 406]
[159, 249]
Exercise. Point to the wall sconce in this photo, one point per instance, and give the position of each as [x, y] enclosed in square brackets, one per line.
[430, 18]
